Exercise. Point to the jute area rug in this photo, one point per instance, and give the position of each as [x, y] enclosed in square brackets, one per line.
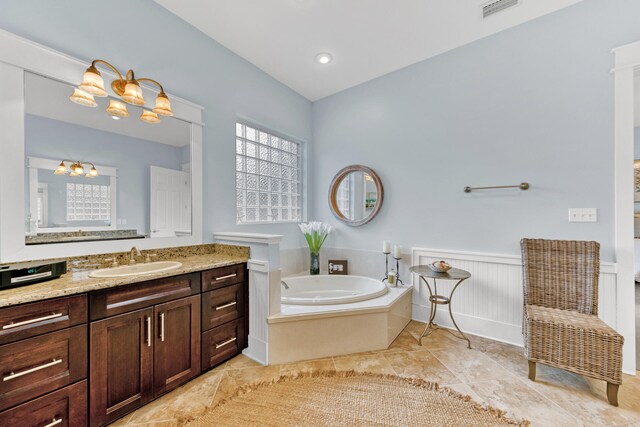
[349, 399]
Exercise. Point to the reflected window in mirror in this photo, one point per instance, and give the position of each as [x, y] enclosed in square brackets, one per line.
[93, 176]
[355, 195]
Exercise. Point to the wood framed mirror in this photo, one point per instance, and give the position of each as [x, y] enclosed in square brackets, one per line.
[355, 195]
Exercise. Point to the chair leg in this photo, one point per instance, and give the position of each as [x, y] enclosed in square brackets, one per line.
[612, 393]
[532, 370]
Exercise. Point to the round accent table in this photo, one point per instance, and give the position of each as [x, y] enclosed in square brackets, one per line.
[425, 272]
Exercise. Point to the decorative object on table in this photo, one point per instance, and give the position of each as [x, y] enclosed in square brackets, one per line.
[440, 266]
[561, 324]
[391, 278]
[397, 255]
[426, 272]
[315, 233]
[341, 399]
[356, 195]
[338, 267]
[386, 250]
[523, 186]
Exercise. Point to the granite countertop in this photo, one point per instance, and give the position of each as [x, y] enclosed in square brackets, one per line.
[77, 280]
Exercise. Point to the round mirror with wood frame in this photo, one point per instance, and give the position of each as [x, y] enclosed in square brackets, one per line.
[355, 195]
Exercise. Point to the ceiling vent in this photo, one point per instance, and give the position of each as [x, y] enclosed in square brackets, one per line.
[497, 6]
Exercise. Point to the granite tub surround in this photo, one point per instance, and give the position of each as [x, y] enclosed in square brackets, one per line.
[77, 280]
[82, 236]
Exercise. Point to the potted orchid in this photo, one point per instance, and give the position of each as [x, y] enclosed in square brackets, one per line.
[316, 233]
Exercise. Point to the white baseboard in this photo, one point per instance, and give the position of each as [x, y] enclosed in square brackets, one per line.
[257, 350]
[485, 328]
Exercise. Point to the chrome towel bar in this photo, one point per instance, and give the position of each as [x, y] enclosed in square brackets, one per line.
[523, 186]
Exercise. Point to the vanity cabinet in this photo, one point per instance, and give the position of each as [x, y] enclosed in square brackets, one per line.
[133, 342]
[44, 362]
[121, 377]
[137, 356]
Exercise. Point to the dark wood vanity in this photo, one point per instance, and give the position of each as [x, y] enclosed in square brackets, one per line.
[89, 359]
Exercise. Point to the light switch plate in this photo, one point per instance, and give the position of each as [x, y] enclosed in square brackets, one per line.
[583, 215]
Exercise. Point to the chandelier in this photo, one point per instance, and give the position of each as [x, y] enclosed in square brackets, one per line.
[128, 88]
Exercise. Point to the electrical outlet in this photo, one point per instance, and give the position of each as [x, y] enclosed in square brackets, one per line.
[583, 215]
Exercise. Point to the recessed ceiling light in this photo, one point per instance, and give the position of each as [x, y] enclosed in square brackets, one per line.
[324, 58]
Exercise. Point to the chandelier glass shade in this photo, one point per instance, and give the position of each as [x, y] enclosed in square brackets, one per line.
[127, 88]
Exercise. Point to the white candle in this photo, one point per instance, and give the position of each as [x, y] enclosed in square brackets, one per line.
[386, 246]
[397, 252]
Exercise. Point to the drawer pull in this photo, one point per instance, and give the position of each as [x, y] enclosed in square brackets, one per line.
[54, 422]
[162, 327]
[30, 321]
[222, 344]
[15, 375]
[228, 276]
[220, 307]
[148, 321]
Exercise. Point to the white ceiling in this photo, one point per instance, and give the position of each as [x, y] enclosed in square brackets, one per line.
[50, 98]
[367, 38]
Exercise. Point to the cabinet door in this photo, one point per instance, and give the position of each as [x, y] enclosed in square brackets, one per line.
[121, 365]
[177, 343]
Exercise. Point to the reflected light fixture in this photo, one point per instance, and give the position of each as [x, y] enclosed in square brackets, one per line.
[149, 117]
[76, 169]
[127, 87]
[117, 109]
[83, 98]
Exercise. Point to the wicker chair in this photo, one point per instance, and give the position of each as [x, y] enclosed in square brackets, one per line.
[561, 324]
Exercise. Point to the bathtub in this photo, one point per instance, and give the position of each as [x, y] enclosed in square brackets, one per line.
[329, 290]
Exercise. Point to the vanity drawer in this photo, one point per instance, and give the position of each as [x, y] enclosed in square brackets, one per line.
[223, 276]
[222, 305]
[63, 408]
[36, 366]
[141, 295]
[28, 320]
[221, 343]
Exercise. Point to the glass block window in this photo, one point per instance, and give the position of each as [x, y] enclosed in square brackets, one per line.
[268, 177]
[86, 202]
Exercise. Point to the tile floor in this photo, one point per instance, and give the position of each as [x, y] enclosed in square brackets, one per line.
[492, 373]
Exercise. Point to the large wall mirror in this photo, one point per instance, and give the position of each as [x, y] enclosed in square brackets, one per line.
[135, 177]
[355, 195]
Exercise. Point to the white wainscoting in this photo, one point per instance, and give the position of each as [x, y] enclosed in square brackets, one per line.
[489, 303]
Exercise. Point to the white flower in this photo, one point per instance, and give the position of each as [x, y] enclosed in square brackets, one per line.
[316, 233]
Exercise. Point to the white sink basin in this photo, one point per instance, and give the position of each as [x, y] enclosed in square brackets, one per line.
[136, 270]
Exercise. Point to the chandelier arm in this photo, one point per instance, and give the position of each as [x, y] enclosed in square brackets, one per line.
[146, 79]
[101, 61]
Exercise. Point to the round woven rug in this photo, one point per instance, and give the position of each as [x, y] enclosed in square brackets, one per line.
[349, 399]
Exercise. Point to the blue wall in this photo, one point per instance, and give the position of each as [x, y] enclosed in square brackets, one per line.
[533, 103]
[155, 43]
[52, 139]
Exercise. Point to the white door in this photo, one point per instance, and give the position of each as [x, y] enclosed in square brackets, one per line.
[170, 212]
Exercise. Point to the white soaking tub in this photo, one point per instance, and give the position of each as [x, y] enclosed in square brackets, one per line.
[329, 290]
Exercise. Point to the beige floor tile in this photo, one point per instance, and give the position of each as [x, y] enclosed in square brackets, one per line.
[232, 379]
[241, 361]
[374, 363]
[470, 365]
[308, 367]
[520, 401]
[421, 364]
[186, 401]
[574, 394]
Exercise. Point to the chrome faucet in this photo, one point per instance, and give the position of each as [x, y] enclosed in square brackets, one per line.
[284, 284]
[132, 255]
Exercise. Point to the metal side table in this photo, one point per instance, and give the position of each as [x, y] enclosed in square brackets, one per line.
[454, 274]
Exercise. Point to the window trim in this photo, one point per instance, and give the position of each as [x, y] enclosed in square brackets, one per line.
[302, 155]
